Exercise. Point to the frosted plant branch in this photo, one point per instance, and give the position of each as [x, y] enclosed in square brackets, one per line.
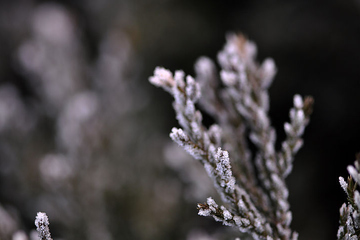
[258, 208]
[299, 118]
[247, 83]
[349, 228]
[42, 226]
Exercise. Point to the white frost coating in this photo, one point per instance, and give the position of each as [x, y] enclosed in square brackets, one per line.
[243, 80]
[179, 136]
[241, 205]
[263, 119]
[300, 130]
[282, 231]
[179, 80]
[227, 215]
[229, 78]
[251, 216]
[179, 76]
[268, 228]
[179, 98]
[42, 226]
[204, 212]
[270, 165]
[299, 143]
[295, 236]
[340, 232]
[223, 168]
[353, 237]
[268, 71]
[357, 199]
[298, 102]
[212, 204]
[350, 225]
[196, 130]
[209, 169]
[162, 77]
[356, 216]
[258, 225]
[283, 204]
[354, 174]
[250, 49]
[245, 222]
[269, 148]
[279, 183]
[192, 89]
[300, 116]
[237, 221]
[223, 60]
[343, 209]
[289, 129]
[181, 118]
[292, 114]
[215, 133]
[288, 218]
[189, 108]
[196, 153]
[343, 184]
[211, 151]
[255, 139]
[226, 223]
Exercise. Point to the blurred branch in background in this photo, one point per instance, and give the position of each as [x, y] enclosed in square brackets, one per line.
[75, 147]
[79, 124]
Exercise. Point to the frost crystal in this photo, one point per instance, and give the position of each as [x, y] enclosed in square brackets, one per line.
[343, 184]
[179, 136]
[224, 168]
[228, 77]
[42, 226]
[357, 199]
[204, 212]
[162, 78]
[226, 213]
[354, 173]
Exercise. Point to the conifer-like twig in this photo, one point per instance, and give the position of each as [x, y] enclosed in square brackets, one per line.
[256, 204]
[349, 228]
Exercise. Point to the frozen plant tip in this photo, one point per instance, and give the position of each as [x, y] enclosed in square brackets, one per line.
[42, 226]
[349, 228]
[253, 189]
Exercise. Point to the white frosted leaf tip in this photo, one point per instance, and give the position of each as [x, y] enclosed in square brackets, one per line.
[298, 101]
[42, 226]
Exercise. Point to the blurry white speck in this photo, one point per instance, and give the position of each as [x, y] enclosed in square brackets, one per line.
[19, 235]
[55, 167]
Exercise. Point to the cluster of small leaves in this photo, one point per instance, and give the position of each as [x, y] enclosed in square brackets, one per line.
[240, 106]
[349, 228]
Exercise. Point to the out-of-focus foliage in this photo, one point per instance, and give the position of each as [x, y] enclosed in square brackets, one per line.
[77, 139]
[82, 133]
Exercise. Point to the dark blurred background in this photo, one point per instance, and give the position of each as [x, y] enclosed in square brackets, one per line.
[84, 136]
